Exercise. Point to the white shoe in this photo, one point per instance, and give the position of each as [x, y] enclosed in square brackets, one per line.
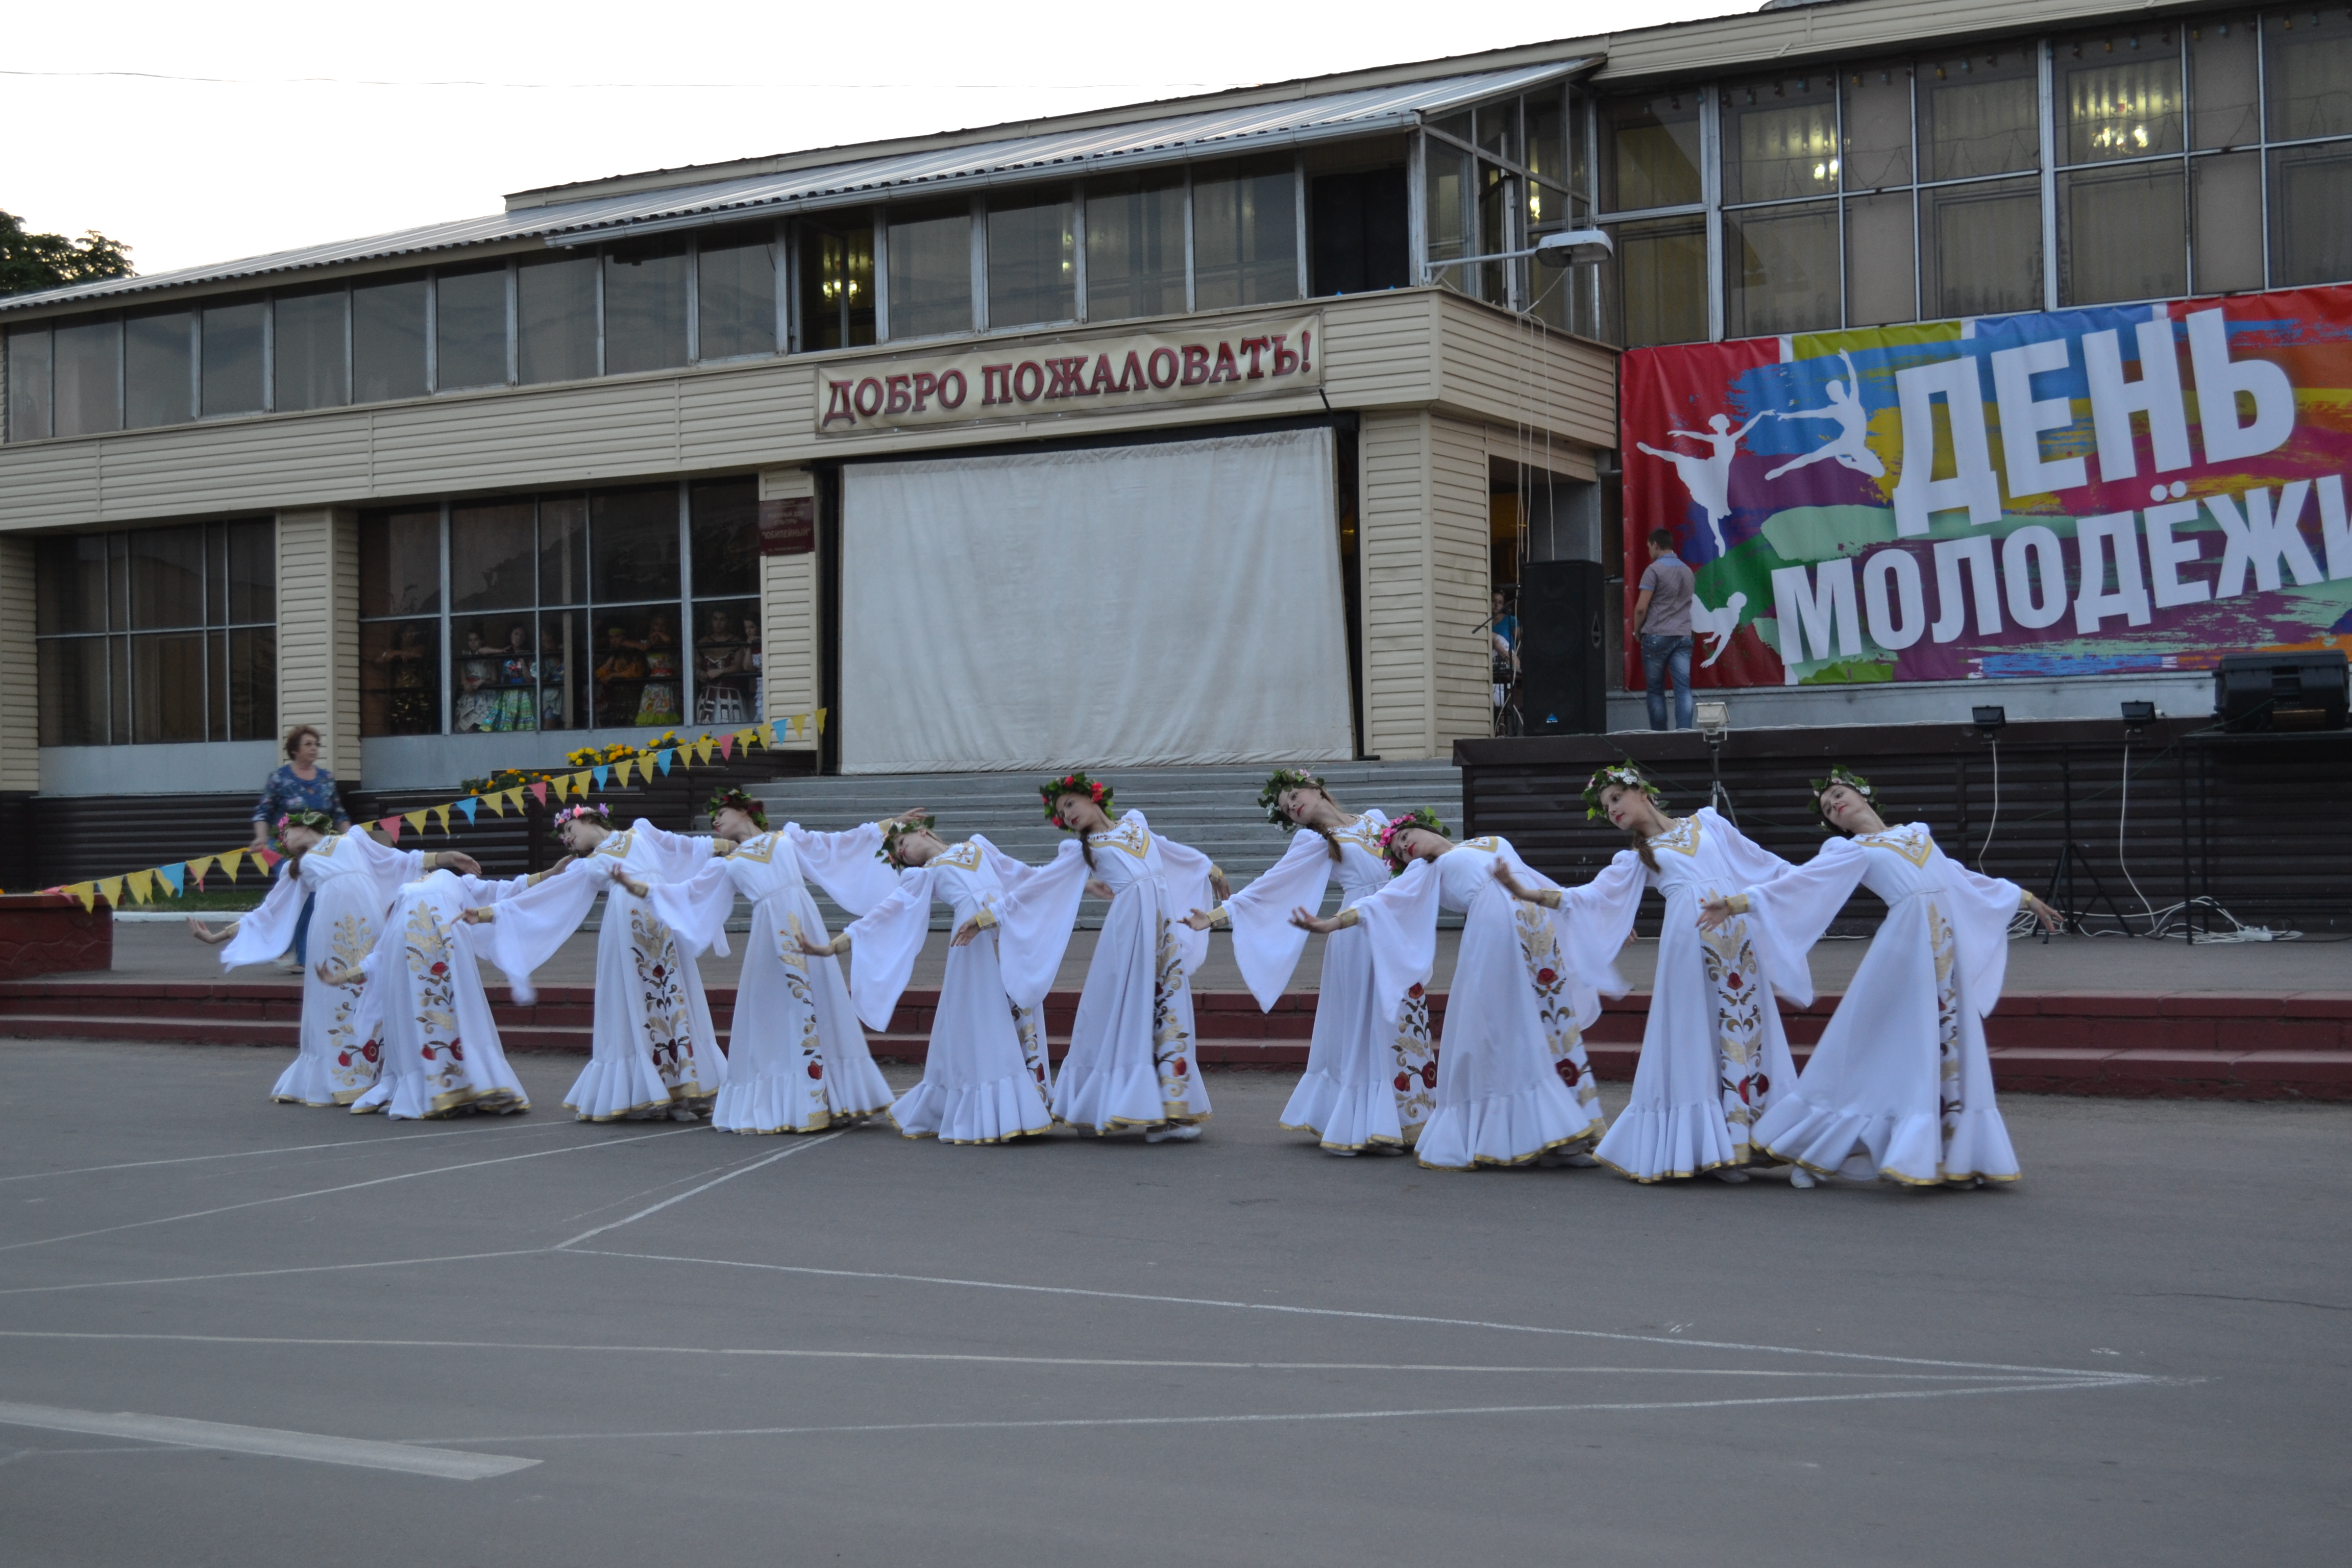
[684, 1113]
[1581, 1163]
[1800, 1177]
[287, 963]
[1729, 1176]
[1172, 1134]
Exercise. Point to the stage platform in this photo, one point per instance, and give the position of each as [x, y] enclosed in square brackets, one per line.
[2081, 1015]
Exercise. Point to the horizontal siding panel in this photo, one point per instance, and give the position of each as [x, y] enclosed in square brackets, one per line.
[48, 484]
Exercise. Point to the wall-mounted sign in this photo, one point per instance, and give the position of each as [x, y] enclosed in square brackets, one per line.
[788, 527]
[1083, 375]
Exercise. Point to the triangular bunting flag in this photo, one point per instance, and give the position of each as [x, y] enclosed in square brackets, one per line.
[199, 866]
[229, 862]
[558, 783]
[86, 891]
[267, 859]
[414, 819]
[580, 782]
[727, 748]
[514, 797]
[539, 788]
[391, 824]
[624, 770]
[702, 752]
[768, 734]
[443, 813]
[143, 885]
[470, 804]
[497, 804]
[820, 721]
[600, 774]
[110, 890]
[174, 878]
[662, 760]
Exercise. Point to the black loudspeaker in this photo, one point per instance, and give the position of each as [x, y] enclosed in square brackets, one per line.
[2281, 690]
[1563, 635]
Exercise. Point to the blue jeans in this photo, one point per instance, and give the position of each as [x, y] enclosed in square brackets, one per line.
[1659, 655]
[302, 934]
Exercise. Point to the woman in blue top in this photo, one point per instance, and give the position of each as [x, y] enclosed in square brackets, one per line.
[299, 785]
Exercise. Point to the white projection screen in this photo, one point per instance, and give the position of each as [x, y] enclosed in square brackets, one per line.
[1123, 606]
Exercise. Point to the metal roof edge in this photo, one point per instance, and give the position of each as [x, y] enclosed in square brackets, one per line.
[1842, 27]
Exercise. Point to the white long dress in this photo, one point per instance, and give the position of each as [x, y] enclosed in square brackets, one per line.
[441, 1050]
[1131, 1061]
[986, 1078]
[353, 880]
[1901, 1074]
[1371, 1073]
[796, 1060]
[653, 1047]
[1713, 1053]
[1512, 1079]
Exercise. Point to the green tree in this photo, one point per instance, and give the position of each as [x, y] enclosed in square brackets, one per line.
[31, 261]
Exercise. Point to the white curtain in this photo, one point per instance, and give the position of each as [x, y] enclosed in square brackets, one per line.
[1116, 607]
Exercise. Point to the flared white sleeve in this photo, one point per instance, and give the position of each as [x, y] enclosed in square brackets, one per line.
[1400, 922]
[1750, 861]
[696, 910]
[883, 943]
[534, 922]
[1981, 908]
[1033, 922]
[1594, 920]
[671, 857]
[847, 866]
[263, 933]
[1265, 944]
[390, 867]
[1788, 914]
[1013, 875]
[1186, 871]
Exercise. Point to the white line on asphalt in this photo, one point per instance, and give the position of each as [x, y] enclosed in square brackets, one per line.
[266, 1273]
[2064, 1371]
[2054, 1384]
[345, 1143]
[413, 1458]
[281, 1340]
[692, 1192]
[346, 1187]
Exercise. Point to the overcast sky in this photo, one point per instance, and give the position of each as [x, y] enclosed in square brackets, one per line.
[435, 111]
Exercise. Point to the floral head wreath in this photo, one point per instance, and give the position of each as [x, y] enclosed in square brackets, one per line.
[1076, 782]
[318, 820]
[1841, 774]
[737, 800]
[898, 828]
[1392, 849]
[1624, 775]
[597, 816]
[1270, 797]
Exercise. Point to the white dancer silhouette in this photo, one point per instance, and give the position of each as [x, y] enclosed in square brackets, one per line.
[1850, 448]
[1709, 477]
[1717, 624]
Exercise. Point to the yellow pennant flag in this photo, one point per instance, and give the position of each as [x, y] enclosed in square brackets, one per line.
[820, 721]
[702, 750]
[415, 820]
[560, 785]
[514, 798]
[581, 782]
[497, 802]
[796, 724]
[87, 893]
[110, 890]
[443, 813]
[230, 861]
[143, 885]
[200, 864]
[767, 734]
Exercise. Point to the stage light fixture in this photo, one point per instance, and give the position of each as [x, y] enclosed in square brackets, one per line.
[2139, 715]
[1711, 719]
[1988, 719]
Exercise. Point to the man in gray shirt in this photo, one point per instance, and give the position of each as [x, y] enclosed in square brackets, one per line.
[1662, 615]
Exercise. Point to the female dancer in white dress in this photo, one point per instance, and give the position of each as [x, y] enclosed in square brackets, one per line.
[1900, 1086]
[1131, 1061]
[441, 1051]
[1713, 1053]
[796, 1060]
[654, 1052]
[353, 880]
[1513, 1084]
[1372, 1072]
[985, 1076]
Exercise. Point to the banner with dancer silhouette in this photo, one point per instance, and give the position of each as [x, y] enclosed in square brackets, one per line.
[2074, 492]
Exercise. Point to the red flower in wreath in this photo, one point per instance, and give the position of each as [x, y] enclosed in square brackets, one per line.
[1546, 977]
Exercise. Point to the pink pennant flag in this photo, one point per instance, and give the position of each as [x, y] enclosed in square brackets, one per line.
[269, 858]
[391, 824]
[727, 746]
[539, 789]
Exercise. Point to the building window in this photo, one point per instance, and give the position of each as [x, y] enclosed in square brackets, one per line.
[232, 357]
[159, 635]
[837, 273]
[469, 336]
[308, 367]
[1782, 255]
[29, 363]
[158, 370]
[736, 293]
[1032, 268]
[1245, 233]
[555, 321]
[930, 265]
[561, 612]
[645, 305]
[1655, 290]
[1135, 247]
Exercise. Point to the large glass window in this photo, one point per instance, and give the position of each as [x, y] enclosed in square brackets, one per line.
[931, 271]
[1650, 153]
[1245, 233]
[645, 305]
[1135, 247]
[88, 377]
[1033, 274]
[1979, 114]
[309, 368]
[158, 370]
[837, 272]
[737, 302]
[158, 635]
[1781, 262]
[1657, 284]
[1781, 270]
[469, 338]
[231, 357]
[1449, 182]
[28, 383]
[555, 307]
[620, 608]
[388, 339]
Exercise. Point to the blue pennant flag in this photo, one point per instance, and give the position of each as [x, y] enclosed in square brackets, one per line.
[599, 774]
[661, 760]
[470, 804]
[175, 875]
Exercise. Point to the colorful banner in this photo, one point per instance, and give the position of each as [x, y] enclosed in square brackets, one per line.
[2077, 493]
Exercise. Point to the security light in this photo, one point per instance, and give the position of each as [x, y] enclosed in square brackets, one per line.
[1577, 247]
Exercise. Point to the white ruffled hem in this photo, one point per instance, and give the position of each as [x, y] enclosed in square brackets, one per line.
[610, 1089]
[1505, 1129]
[408, 1096]
[1909, 1149]
[1125, 1098]
[307, 1082]
[1346, 1117]
[993, 1112]
[781, 1102]
[1677, 1140]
